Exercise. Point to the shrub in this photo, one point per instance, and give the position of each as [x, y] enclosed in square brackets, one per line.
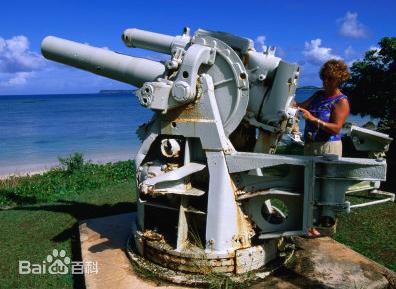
[75, 176]
[72, 162]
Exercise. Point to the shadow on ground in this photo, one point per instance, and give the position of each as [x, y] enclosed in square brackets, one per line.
[79, 211]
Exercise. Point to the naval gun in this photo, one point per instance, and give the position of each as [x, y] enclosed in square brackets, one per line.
[212, 195]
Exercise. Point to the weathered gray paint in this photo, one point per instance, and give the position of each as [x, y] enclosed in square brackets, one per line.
[128, 69]
[211, 83]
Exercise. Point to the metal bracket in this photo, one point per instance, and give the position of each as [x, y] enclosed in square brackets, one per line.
[340, 207]
[251, 119]
[175, 175]
[184, 88]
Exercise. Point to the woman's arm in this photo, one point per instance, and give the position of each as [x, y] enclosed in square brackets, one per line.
[337, 118]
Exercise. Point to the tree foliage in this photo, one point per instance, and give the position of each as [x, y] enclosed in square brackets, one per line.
[372, 88]
[372, 91]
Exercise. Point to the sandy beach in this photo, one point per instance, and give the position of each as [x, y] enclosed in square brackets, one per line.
[41, 167]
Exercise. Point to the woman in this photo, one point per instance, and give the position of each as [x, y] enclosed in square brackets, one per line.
[325, 113]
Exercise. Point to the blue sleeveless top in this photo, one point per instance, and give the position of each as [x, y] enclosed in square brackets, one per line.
[321, 108]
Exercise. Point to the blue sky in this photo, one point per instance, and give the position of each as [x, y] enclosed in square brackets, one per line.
[305, 32]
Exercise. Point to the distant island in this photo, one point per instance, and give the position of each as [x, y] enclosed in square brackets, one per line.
[309, 87]
[116, 91]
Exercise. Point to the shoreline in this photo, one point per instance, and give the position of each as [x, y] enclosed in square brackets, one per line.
[23, 170]
[24, 174]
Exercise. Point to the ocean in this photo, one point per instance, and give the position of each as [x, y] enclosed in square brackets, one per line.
[37, 129]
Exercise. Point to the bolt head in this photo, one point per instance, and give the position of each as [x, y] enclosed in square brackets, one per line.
[181, 91]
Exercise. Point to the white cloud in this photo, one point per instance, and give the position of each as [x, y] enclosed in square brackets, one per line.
[377, 49]
[259, 43]
[15, 56]
[280, 52]
[373, 47]
[16, 79]
[317, 55]
[17, 62]
[349, 51]
[351, 27]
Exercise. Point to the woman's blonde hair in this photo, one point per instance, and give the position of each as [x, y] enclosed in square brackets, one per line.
[336, 70]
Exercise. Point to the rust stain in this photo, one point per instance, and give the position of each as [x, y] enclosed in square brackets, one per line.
[245, 230]
[193, 120]
[153, 236]
[197, 263]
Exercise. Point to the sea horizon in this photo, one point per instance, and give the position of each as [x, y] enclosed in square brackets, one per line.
[37, 129]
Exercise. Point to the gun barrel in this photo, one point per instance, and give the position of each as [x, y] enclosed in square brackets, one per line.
[149, 40]
[124, 68]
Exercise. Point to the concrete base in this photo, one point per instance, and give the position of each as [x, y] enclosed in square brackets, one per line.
[318, 263]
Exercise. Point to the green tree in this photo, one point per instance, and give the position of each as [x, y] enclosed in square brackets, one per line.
[372, 91]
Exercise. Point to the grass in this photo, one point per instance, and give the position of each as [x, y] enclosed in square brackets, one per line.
[74, 176]
[32, 232]
[370, 231]
[43, 213]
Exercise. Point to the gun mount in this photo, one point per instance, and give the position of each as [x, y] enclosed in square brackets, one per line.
[212, 195]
